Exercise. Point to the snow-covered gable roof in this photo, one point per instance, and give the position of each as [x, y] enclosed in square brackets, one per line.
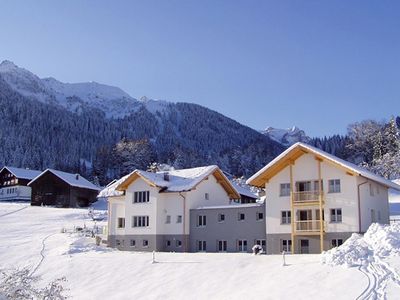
[110, 189]
[298, 149]
[179, 180]
[22, 173]
[74, 180]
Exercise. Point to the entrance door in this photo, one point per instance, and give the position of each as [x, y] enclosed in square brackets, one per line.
[304, 247]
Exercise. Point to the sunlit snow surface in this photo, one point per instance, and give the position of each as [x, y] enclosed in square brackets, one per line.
[94, 272]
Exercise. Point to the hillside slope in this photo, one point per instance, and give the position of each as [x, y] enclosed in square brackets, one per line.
[39, 130]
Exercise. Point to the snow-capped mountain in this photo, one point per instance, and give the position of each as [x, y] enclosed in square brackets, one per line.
[113, 101]
[74, 127]
[286, 137]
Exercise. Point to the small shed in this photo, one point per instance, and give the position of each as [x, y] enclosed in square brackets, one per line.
[61, 189]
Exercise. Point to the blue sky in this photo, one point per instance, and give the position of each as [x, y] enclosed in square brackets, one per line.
[319, 65]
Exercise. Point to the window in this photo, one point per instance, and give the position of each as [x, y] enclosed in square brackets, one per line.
[179, 219]
[222, 246]
[221, 218]
[178, 243]
[241, 216]
[285, 190]
[140, 221]
[141, 197]
[371, 190]
[242, 245]
[145, 243]
[286, 245]
[206, 196]
[168, 243]
[201, 245]
[334, 186]
[121, 223]
[201, 221]
[168, 219]
[336, 215]
[286, 217]
[262, 243]
[118, 242]
[259, 216]
[337, 242]
[133, 243]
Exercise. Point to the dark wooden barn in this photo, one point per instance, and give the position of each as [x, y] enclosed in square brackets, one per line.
[62, 189]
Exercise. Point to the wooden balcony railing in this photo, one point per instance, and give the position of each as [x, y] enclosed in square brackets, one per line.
[304, 197]
[308, 226]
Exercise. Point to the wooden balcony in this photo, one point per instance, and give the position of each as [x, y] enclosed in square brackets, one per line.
[307, 198]
[308, 227]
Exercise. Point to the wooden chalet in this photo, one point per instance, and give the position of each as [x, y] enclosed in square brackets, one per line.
[61, 189]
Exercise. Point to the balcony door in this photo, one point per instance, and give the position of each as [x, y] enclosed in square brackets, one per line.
[304, 219]
[303, 186]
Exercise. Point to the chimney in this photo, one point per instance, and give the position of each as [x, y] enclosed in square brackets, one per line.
[166, 176]
[77, 176]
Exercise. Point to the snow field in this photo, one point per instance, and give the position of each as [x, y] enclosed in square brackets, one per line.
[31, 237]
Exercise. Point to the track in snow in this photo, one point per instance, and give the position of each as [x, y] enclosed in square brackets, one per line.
[378, 274]
[41, 254]
[14, 211]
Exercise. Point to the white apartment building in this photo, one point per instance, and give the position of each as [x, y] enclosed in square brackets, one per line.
[315, 201]
[151, 211]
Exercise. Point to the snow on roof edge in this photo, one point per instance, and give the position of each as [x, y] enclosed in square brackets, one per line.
[89, 186]
[359, 170]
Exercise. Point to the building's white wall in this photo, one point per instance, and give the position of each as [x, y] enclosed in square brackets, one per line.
[274, 203]
[196, 197]
[116, 210]
[346, 199]
[169, 204]
[163, 204]
[377, 202]
[141, 209]
[304, 169]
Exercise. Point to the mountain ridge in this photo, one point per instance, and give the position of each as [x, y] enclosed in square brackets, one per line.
[41, 130]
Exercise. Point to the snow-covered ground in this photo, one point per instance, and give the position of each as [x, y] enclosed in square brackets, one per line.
[32, 237]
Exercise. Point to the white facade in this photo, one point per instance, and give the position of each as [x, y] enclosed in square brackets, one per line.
[303, 183]
[305, 168]
[15, 192]
[168, 212]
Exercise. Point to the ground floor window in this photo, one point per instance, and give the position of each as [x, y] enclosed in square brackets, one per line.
[262, 243]
[242, 245]
[286, 245]
[145, 243]
[133, 243]
[222, 246]
[337, 242]
[168, 243]
[201, 245]
[178, 243]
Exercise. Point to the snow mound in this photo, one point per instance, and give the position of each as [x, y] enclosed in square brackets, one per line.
[378, 242]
